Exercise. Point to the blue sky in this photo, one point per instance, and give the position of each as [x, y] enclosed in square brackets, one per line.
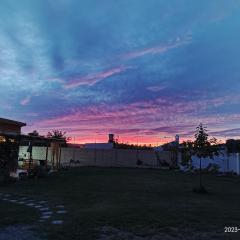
[143, 70]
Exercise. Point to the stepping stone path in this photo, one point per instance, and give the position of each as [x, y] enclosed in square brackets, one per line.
[44, 209]
[45, 216]
[30, 205]
[61, 211]
[46, 213]
[57, 222]
[38, 206]
[59, 206]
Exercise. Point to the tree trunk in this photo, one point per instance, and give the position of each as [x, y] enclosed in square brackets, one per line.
[200, 173]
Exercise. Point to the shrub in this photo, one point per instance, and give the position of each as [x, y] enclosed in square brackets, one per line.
[40, 172]
[213, 168]
[139, 162]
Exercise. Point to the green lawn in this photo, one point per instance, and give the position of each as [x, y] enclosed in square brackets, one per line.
[143, 202]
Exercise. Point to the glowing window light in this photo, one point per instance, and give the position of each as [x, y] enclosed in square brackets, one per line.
[2, 139]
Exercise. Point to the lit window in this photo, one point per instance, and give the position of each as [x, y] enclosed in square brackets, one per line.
[2, 139]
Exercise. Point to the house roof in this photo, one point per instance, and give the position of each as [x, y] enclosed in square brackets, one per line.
[8, 121]
[40, 138]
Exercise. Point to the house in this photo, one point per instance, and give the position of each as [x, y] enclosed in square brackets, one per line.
[10, 132]
[10, 127]
[108, 145]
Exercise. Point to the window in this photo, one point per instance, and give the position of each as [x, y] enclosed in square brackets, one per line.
[2, 139]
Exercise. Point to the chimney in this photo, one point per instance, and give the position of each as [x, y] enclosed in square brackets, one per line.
[111, 138]
[177, 139]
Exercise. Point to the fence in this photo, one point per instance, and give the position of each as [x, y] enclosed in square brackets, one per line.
[226, 162]
[100, 157]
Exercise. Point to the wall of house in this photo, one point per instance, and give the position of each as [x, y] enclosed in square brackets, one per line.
[226, 162]
[98, 157]
[9, 128]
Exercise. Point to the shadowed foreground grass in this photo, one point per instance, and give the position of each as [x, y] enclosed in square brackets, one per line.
[142, 201]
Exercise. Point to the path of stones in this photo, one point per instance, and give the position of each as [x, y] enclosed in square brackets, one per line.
[47, 214]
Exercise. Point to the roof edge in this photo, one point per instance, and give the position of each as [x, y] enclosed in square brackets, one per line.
[5, 120]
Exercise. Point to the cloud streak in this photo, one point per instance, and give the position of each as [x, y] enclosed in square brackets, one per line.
[162, 48]
[25, 101]
[92, 79]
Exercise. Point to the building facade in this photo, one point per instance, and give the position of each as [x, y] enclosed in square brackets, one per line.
[11, 127]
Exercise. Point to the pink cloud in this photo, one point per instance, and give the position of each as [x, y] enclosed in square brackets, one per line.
[25, 101]
[92, 79]
[146, 121]
[156, 88]
[157, 49]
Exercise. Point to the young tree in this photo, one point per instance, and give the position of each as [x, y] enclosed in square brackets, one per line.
[186, 150]
[204, 148]
[56, 134]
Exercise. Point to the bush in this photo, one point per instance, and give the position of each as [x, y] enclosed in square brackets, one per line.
[2, 175]
[213, 168]
[5, 178]
[139, 162]
[174, 168]
[230, 174]
[40, 172]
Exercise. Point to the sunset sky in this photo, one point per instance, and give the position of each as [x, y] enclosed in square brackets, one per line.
[145, 70]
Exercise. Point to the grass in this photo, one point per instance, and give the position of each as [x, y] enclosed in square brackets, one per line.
[134, 200]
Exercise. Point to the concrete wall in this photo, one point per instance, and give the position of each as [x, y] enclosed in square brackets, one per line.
[99, 157]
[98, 145]
[109, 157]
[127, 158]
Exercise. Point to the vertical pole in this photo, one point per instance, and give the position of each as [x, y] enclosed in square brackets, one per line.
[18, 145]
[30, 161]
[95, 154]
[60, 154]
[46, 155]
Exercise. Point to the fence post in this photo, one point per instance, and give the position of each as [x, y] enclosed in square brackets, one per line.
[46, 156]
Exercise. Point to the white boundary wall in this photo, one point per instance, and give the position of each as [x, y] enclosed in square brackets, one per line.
[127, 158]
[226, 162]
[38, 153]
[98, 157]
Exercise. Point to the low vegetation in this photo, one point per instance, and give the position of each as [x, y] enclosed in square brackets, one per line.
[130, 203]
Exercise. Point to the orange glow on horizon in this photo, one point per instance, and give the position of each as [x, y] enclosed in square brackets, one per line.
[133, 140]
[127, 140]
